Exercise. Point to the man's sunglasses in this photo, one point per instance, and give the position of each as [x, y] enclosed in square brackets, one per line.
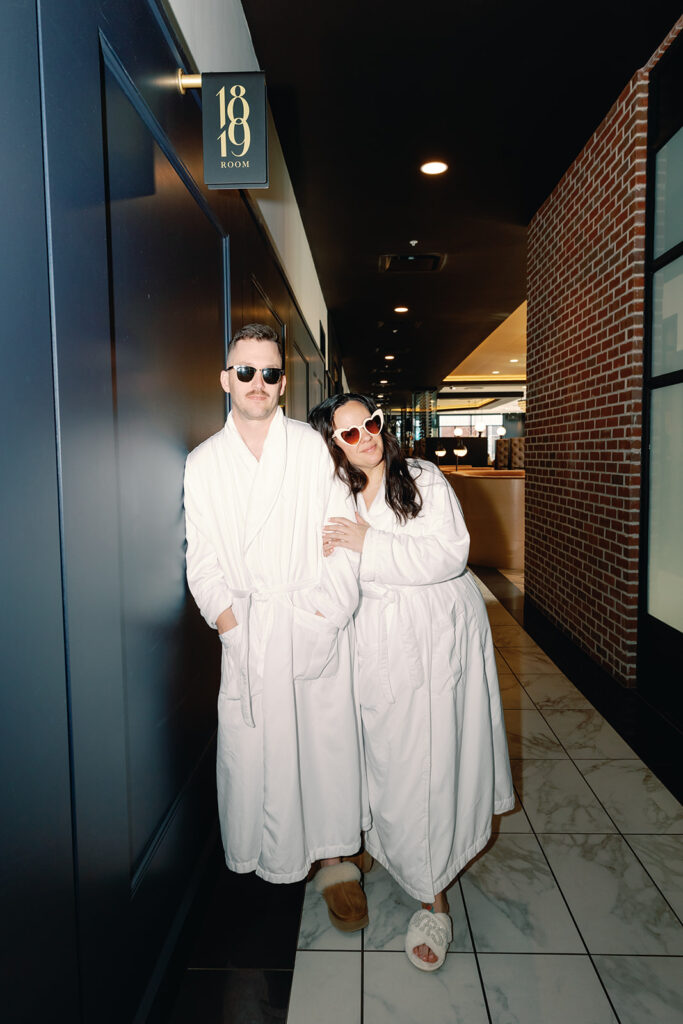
[372, 425]
[270, 375]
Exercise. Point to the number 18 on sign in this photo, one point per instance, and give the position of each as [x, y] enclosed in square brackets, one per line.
[235, 130]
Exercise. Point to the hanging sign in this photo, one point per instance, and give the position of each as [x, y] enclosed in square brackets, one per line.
[235, 130]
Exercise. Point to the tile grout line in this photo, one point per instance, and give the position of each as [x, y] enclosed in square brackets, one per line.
[554, 877]
[362, 956]
[474, 950]
[578, 930]
[599, 801]
[571, 914]
[673, 910]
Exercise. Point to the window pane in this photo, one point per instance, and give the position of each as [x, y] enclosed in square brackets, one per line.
[665, 570]
[667, 318]
[669, 195]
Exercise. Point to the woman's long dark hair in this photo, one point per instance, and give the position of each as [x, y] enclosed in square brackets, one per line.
[402, 493]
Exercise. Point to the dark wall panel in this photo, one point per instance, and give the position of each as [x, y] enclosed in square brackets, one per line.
[117, 262]
[38, 910]
[167, 288]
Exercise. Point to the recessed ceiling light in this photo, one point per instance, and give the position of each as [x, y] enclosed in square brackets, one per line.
[434, 167]
[384, 382]
[380, 396]
[400, 309]
[390, 357]
[495, 371]
[395, 330]
[514, 360]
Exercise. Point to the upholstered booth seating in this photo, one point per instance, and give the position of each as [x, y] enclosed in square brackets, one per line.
[502, 460]
[493, 505]
[516, 453]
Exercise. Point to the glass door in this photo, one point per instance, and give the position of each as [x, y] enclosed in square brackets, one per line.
[661, 621]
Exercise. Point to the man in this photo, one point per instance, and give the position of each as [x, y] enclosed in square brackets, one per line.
[290, 782]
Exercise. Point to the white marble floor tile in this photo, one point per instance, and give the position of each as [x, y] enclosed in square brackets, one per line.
[662, 857]
[527, 662]
[512, 694]
[326, 988]
[529, 735]
[390, 910]
[633, 796]
[544, 989]
[513, 902]
[644, 990]
[395, 992]
[557, 798]
[587, 734]
[554, 690]
[614, 903]
[513, 636]
[317, 931]
[515, 821]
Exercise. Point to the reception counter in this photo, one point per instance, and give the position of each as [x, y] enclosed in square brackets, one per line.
[493, 505]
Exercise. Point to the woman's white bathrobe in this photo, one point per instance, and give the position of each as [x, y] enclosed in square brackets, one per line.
[290, 785]
[435, 745]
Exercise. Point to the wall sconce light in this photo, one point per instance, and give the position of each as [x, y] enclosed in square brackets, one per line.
[459, 452]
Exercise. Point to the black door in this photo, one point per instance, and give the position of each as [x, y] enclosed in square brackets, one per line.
[138, 271]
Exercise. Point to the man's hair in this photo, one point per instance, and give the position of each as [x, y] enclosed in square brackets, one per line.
[256, 332]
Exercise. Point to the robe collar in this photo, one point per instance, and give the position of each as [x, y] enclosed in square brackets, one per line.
[269, 475]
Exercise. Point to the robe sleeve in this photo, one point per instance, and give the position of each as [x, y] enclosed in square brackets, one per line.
[204, 575]
[401, 559]
[337, 594]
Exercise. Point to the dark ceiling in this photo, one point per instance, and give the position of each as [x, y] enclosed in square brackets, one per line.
[506, 93]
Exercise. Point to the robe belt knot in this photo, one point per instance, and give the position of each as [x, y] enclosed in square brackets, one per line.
[403, 635]
[246, 598]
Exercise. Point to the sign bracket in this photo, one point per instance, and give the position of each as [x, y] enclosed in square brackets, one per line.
[186, 81]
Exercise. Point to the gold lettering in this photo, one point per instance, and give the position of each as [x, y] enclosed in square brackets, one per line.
[238, 92]
[221, 106]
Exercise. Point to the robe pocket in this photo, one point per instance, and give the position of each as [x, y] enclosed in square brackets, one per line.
[315, 646]
[231, 644]
[446, 665]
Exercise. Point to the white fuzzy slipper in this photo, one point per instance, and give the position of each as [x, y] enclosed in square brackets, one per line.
[433, 930]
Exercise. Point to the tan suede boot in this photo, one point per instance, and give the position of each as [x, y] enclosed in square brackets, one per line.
[346, 903]
[363, 860]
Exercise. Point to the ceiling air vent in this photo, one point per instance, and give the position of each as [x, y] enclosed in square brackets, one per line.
[412, 262]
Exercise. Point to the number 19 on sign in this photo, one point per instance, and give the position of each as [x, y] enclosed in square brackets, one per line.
[234, 121]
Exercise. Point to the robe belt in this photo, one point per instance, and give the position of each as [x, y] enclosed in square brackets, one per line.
[259, 594]
[407, 638]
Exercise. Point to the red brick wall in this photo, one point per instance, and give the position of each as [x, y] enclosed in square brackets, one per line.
[586, 251]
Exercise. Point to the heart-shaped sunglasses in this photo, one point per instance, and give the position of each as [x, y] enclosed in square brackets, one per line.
[351, 435]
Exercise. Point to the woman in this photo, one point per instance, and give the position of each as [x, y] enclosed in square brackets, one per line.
[434, 736]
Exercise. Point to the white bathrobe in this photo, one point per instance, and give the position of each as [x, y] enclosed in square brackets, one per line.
[290, 783]
[434, 736]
